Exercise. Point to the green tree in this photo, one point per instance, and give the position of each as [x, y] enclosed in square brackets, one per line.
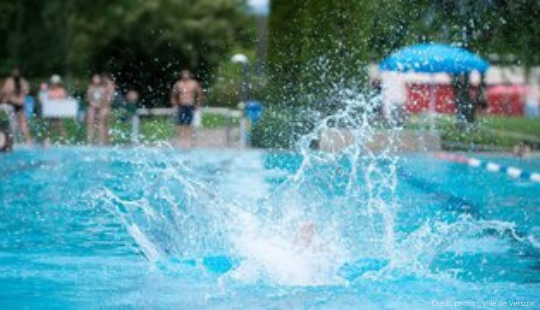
[334, 46]
[315, 49]
[144, 43]
[486, 26]
[285, 39]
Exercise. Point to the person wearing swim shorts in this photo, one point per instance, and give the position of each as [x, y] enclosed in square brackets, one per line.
[186, 97]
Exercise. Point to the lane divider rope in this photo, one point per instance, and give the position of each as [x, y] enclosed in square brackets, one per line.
[490, 166]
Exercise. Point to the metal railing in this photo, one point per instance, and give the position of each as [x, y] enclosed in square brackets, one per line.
[229, 115]
[135, 137]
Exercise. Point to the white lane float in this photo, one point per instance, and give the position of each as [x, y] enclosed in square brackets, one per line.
[491, 166]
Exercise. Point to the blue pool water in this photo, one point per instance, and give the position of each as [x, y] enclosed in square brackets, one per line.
[161, 228]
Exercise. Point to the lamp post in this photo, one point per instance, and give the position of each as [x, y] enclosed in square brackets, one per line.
[244, 61]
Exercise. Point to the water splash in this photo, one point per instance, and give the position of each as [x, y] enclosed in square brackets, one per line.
[416, 253]
[306, 230]
[534, 238]
[175, 214]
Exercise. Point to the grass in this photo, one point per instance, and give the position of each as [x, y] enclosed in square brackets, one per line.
[527, 126]
[218, 120]
[489, 133]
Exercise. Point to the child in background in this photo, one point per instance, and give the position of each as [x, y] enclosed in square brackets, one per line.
[128, 106]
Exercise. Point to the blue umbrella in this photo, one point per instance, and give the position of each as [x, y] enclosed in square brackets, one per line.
[434, 58]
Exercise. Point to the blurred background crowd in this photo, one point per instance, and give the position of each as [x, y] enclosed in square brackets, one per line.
[139, 48]
[46, 107]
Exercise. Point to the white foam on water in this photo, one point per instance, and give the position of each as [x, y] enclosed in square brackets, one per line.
[285, 260]
[338, 207]
[416, 252]
[534, 237]
[264, 233]
[147, 247]
[329, 195]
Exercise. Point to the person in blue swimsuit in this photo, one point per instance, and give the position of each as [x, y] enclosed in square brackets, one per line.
[186, 97]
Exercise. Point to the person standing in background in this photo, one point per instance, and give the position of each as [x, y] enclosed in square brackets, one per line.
[95, 96]
[14, 92]
[128, 106]
[465, 106]
[186, 96]
[57, 91]
[104, 113]
[132, 100]
[532, 103]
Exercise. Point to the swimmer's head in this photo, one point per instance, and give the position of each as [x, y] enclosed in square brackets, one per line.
[306, 233]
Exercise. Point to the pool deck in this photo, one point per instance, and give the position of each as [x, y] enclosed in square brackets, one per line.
[402, 141]
[333, 141]
[213, 138]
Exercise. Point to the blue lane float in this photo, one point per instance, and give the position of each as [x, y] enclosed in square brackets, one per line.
[218, 264]
[221, 264]
[513, 172]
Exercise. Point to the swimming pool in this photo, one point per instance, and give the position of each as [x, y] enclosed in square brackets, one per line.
[163, 228]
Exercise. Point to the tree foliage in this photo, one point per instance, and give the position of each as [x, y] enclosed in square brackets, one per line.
[487, 26]
[285, 37]
[334, 48]
[144, 43]
[317, 46]
[318, 42]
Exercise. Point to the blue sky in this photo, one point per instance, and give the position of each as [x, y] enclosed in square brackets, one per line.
[259, 6]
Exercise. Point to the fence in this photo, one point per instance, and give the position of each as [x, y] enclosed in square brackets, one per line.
[228, 114]
[229, 130]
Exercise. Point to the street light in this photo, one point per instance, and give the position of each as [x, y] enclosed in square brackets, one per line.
[244, 61]
[240, 59]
